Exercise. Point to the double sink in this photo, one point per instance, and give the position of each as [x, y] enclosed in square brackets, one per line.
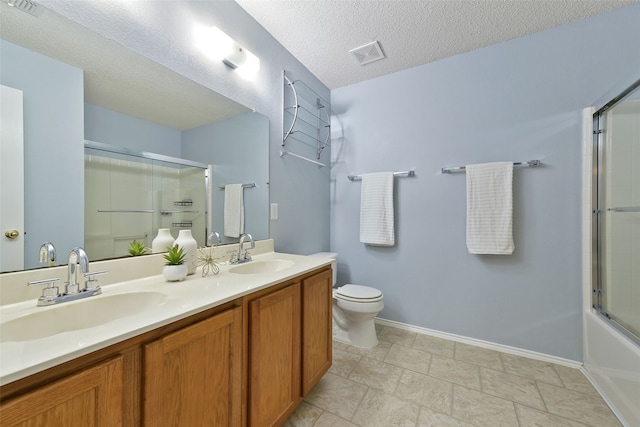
[67, 330]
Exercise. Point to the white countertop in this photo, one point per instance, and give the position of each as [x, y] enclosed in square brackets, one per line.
[179, 300]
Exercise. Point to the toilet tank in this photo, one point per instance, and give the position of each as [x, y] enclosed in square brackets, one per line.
[334, 262]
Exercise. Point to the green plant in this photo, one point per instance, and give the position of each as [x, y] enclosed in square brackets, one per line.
[137, 248]
[175, 255]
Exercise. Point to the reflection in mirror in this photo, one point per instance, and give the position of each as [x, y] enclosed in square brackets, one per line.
[129, 196]
[77, 85]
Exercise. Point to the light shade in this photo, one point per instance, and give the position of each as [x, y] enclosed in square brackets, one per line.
[220, 46]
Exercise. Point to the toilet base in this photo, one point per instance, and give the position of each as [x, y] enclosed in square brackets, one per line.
[359, 334]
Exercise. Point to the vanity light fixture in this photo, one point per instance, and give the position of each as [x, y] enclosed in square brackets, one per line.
[28, 6]
[220, 46]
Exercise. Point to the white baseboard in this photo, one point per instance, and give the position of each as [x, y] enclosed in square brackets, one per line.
[484, 344]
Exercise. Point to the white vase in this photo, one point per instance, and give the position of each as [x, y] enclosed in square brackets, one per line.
[186, 241]
[163, 240]
[175, 273]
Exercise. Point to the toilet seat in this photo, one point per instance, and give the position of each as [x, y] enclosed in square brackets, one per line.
[358, 293]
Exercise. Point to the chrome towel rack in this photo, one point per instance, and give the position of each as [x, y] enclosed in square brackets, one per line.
[528, 163]
[403, 173]
[249, 185]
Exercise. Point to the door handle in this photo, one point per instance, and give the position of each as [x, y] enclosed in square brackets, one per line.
[11, 234]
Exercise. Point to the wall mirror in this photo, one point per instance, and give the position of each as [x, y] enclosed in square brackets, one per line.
[77, 85]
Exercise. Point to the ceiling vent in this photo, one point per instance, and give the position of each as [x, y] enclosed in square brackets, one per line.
[28, 6]
[368, 53]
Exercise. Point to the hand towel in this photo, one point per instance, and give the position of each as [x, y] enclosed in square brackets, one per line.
[233, 210]
[376, 209]
[490, 208]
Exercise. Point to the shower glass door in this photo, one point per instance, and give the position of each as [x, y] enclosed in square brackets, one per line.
[617, 285]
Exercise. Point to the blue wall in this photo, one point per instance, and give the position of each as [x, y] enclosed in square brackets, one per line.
[53, 99]
[514, 101]
[238, 149]
[121, 130]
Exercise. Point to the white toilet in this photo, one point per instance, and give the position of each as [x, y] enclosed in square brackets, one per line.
[354, 308]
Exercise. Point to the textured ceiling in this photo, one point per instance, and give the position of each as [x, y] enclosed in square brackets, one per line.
[320, 33]
[117, 78]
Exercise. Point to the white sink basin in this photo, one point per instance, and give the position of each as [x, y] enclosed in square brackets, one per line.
[258, 267]
[77, 315]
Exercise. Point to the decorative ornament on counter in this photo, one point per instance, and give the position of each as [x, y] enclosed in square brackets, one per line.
[162, 242]
[208, 261]
[186, 241]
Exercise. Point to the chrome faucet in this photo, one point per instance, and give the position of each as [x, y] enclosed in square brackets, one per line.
[243, 254]
[77, 256]
[48, 254]
[51, 294]
[211, 236]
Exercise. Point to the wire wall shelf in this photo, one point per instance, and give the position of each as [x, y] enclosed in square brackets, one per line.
[306, 119]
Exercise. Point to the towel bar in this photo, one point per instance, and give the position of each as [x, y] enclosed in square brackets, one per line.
[403, 173]
[528, 163]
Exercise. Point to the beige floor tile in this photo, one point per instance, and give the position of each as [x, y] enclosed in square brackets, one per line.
[429, 418]
[455, 371]
[397, 336]
[337, 395]
[585, 408]
[573, 379]
[378, 352]
[426, 391]
[408, 358]
[376, 374]
[481, 409]
[434, 345]
[329, 420]
[511, 387]
[533, 369]
[343, 362]
[529, 417]
[304, 416]
[478, 356]
[379, 409]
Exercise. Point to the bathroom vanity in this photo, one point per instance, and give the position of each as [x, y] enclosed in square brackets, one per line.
[238, 349]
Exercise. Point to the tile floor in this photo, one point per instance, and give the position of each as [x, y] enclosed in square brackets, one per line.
[417, 380]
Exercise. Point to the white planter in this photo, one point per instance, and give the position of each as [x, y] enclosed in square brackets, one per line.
[175, 273]
[186, 241]
[163, 240]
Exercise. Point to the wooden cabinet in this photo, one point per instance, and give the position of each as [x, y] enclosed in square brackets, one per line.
[316, 328]
[274, 356]
[92, 397]
[248, 362]
[289, 346]
[194, 376]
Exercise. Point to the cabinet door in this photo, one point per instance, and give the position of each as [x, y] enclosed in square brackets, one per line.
[274, 356]
[193, 377]
[316, 328]
[92, 397]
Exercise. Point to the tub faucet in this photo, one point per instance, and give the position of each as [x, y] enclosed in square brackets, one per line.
[243, 254]
[77, 256]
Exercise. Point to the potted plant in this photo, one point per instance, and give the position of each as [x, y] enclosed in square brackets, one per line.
[137, 248]
[175, 269]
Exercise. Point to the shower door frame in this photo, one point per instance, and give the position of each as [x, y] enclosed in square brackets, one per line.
[598, 299]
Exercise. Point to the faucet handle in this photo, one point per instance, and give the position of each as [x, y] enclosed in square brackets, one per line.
[92, 283]
[48, 293]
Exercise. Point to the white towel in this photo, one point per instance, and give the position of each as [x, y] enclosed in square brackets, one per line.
[376, 209]
[233, 210]
[490, 208]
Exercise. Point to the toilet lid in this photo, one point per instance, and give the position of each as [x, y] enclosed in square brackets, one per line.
[358, 293]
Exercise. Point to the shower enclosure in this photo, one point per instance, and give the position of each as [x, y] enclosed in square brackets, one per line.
[611, 251]
[129, 196]
[616, 199]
